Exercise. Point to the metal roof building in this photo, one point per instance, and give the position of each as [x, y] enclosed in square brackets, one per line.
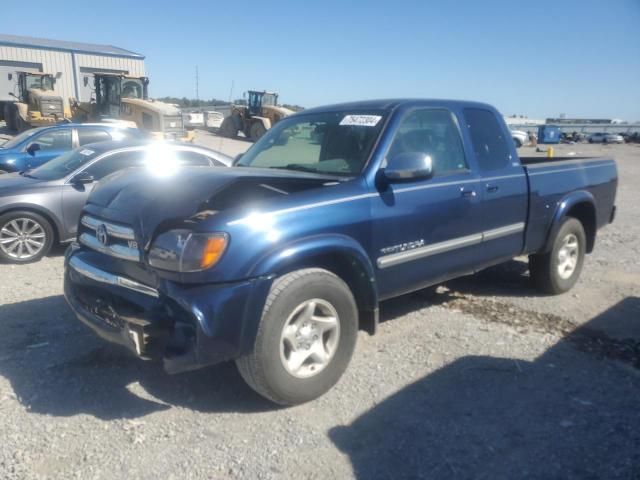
[70, 61]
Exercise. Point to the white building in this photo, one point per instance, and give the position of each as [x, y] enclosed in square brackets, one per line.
[70, 61]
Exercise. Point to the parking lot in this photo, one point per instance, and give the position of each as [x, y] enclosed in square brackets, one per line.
[481, 378]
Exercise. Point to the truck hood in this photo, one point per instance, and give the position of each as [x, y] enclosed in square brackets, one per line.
[151, 203]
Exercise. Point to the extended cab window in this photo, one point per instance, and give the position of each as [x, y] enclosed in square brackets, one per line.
[489, 144]
[434, 133]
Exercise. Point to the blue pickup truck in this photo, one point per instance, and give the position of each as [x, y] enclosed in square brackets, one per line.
[277, 261]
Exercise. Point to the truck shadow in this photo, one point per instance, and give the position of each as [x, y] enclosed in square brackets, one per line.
[58, 367]
[570, 413]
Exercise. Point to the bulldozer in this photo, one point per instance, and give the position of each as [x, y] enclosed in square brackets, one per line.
[254, 119]
[35, 104]
[124, 99]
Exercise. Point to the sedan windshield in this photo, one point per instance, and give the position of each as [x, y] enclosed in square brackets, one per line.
[17, 140]
[63, 165]
[334, 143]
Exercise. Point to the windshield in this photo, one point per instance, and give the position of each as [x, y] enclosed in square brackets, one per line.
[335, 143]
[18, 139]
[132, 88]
[269, 99]
[39, 81]
[63, 165]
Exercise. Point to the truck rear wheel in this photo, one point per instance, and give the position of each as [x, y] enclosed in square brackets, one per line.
[557, 271]
[305, 340]
[8, 116]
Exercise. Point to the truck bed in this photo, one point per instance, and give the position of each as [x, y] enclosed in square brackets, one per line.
[551, 180]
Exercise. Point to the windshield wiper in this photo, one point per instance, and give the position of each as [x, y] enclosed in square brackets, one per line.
[299, 168]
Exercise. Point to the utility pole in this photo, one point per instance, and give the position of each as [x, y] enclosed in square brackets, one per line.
[197, 79]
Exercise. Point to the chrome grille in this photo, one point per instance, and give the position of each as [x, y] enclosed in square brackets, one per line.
[108, 238]
[51, 107]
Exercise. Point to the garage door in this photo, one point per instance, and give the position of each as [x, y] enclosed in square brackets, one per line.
[7, 67]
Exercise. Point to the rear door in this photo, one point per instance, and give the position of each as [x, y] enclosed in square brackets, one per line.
[428, 229]
[503, 189]
[87, 135]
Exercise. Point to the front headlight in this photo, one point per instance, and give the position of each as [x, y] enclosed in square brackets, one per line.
[186, 251]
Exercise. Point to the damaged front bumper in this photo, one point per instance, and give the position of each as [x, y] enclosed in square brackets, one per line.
[187, 326]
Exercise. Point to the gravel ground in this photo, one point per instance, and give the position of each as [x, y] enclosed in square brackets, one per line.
[482, 378]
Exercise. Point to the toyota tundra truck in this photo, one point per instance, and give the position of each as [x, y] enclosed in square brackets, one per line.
[279, 260]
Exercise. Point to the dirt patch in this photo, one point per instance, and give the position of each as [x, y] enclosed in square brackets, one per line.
[589, 340]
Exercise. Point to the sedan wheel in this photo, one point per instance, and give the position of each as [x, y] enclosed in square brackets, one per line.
[24, 237]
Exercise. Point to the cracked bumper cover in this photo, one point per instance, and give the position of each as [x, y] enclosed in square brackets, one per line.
[186, 326]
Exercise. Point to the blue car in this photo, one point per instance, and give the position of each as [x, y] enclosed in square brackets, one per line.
[35, 147]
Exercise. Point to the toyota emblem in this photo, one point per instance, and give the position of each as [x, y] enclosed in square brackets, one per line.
[101, 234]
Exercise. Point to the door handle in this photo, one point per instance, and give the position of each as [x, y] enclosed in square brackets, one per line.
[467, 193]
[492, 188]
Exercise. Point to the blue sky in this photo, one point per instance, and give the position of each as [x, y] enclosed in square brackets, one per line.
[538, 58]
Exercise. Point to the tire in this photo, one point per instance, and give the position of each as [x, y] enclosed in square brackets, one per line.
[570, 242]
[9, 117]
[590, 140]
[21, 125]
[257, 131]
[517, 142]
[271, 368]
[228, 128]
[35, 244]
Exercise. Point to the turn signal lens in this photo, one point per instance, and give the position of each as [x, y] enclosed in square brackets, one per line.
[186, 251]
[213, 250]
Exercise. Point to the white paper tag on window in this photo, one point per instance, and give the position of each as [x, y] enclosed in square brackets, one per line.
[86, 152]
[361, 120]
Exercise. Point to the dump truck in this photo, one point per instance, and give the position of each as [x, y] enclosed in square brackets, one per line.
[35, 102]
[255, 118]
[125, 99]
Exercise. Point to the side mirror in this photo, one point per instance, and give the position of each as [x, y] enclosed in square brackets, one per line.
[409, 166]
[33, 148]
[82, 178]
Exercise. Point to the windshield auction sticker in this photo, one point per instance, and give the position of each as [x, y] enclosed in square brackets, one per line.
[361, 120]
[87, 152]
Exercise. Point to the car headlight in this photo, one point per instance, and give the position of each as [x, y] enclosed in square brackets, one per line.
[186, 251]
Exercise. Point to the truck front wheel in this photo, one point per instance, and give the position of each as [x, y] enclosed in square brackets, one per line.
[305, 339]
[558, 270]
[228, 128]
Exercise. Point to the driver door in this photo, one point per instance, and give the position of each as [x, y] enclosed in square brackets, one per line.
[52, 144]
[426, 230]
